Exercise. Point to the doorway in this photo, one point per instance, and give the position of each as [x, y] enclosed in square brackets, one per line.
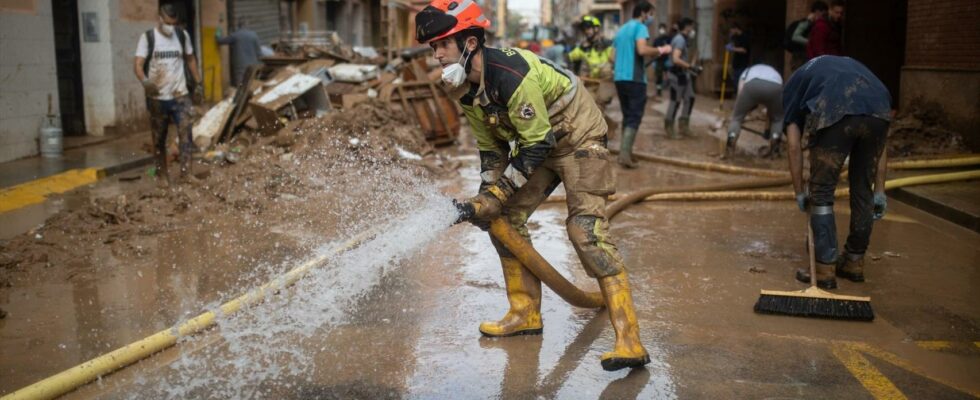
[186, 18]
[868, 24]
[68, 56]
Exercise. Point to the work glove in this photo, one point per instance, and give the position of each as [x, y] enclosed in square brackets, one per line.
[730, 47]
[695, 70]
[881, 203]
[803, 201]
[150, 88]
[198, 97]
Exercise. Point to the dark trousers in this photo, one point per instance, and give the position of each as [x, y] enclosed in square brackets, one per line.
[162, 113]
[863, 139]
[660, 71]
[633, 100]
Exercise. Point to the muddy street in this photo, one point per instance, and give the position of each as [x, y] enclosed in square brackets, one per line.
[397, 316]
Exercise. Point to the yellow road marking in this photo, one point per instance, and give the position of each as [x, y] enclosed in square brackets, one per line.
[934, 345]
[35, 191]
[843, 350]
[873, 380]
[904, 364]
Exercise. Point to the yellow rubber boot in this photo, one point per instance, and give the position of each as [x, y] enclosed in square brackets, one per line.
[524, 295]
[628, 352]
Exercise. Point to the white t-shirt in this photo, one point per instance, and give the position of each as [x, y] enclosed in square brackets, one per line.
[167, 65]
[761, 71]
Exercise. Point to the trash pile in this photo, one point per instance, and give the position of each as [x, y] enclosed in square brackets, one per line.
[317, 75]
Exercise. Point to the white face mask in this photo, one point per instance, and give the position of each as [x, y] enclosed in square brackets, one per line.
[454, 74]
[693, 32]
[165, 28]
[662, 31]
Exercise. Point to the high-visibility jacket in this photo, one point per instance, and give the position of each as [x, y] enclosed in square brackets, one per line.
[512, 102]
[596, 58]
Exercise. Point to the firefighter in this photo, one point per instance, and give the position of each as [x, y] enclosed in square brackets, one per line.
[595, 53]
[535, 128]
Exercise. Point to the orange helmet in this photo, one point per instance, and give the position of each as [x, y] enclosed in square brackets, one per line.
[444, 18]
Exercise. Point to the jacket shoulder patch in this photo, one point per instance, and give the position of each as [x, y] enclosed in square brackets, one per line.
[527, 111]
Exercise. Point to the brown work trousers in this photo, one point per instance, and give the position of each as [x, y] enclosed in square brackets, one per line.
[589, 179]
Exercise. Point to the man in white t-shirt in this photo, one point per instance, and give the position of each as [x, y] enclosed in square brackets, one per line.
[759, 84]
[160, 67]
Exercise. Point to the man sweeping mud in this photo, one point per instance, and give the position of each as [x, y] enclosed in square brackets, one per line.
[845, 110]
[535, 128]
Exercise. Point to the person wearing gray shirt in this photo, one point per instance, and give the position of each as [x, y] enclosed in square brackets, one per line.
[680, 80]
[245, 50]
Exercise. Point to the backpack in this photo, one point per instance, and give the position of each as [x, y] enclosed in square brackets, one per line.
[788, 42]
[182, 38]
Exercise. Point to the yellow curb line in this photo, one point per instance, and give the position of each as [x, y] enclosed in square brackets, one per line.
[36, 191]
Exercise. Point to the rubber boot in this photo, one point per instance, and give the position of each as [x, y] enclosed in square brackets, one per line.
[669, 128]
[626, 148]
[825, 276]
[851, 267]
[730, 145]
[628, 351]
[685, 126]
[524, 295]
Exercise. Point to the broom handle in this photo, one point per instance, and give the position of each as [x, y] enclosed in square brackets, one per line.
[813, 257]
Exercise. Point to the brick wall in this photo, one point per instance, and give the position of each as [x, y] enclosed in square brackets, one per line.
[943, 33]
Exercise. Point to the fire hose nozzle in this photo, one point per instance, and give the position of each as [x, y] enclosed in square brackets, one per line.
[465, 210]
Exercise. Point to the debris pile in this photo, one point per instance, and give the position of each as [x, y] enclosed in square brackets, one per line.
[921, 130]
[310, 165]
[312, 76]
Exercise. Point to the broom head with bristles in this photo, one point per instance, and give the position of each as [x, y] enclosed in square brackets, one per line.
[814, 302]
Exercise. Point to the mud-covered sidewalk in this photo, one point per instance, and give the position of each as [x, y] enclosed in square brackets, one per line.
[398, 317]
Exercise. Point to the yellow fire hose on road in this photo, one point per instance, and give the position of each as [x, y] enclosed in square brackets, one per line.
[540, 267]
[950, 162]
[839, 193]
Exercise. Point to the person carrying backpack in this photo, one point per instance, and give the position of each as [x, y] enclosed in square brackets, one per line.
[798, 32]
[166, 66]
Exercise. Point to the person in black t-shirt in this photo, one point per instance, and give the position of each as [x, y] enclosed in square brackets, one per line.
[738, 45]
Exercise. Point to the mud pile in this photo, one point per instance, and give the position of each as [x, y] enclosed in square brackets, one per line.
[921, 130]
[309, 166]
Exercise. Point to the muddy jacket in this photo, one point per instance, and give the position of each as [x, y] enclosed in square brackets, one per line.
[596, 58]
[828, 88]
[517, 111]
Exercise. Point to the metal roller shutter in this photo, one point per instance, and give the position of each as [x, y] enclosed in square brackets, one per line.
[262, 17]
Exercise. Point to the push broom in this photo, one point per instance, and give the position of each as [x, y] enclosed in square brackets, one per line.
[812, 301]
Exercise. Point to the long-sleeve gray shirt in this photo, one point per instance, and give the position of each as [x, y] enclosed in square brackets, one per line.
[245, 51]
[802, 32]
